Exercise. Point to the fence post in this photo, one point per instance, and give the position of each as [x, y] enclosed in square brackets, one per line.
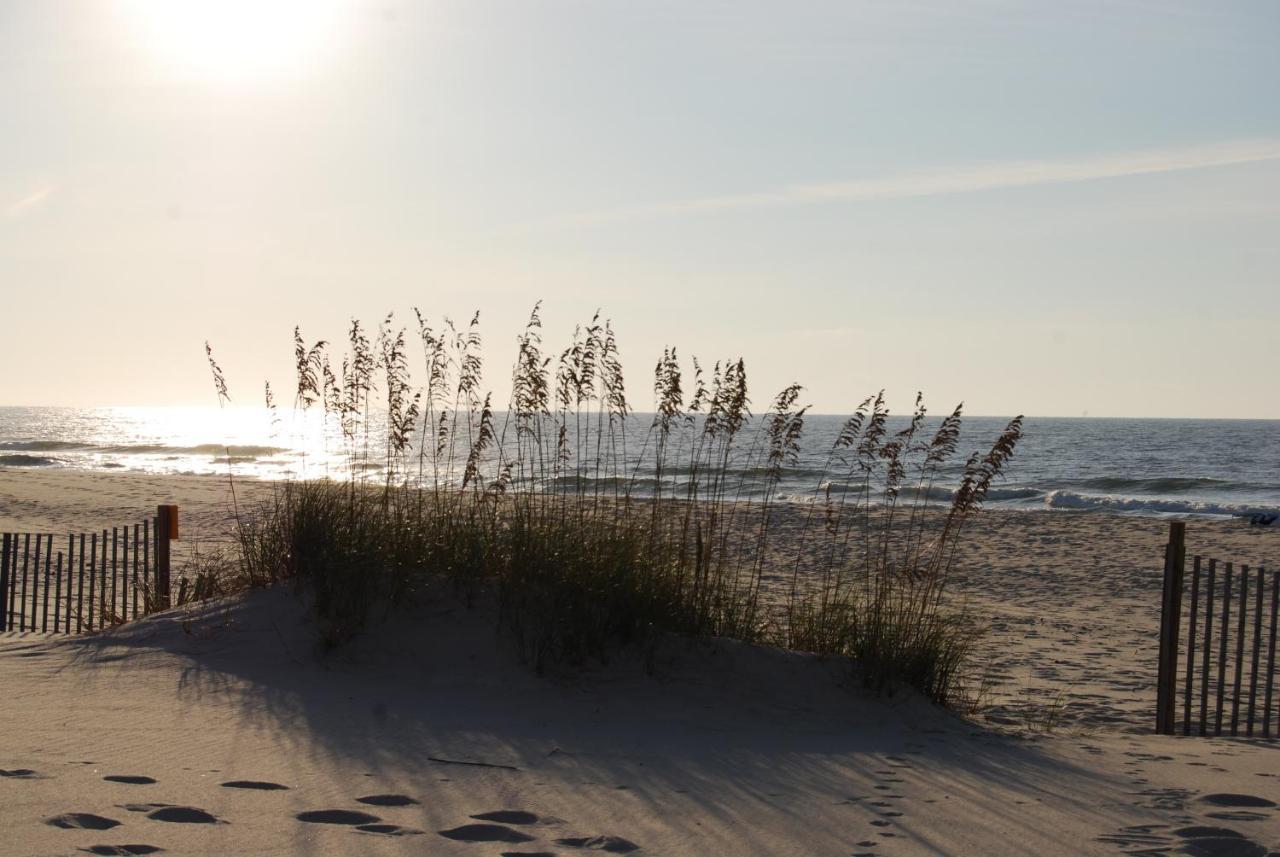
[4, 583]
[1175, 558]
[166, 531]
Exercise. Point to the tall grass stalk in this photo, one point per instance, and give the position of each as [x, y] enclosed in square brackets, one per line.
[585, 547]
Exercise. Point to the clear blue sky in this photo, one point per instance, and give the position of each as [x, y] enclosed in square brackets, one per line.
[1050, 208]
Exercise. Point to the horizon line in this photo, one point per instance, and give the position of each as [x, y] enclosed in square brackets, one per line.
[810, 413]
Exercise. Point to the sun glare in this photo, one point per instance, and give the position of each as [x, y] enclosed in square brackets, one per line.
[238, 41]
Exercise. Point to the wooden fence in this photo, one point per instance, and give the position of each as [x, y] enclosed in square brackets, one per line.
[1230, 618]
[88, 581]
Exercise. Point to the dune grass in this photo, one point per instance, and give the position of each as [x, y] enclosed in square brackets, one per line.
[589, 546]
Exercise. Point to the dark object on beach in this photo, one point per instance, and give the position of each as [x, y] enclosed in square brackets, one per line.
[183, 815]
[82, 821]
[611, 844]
[260, 785]
[387, 800]
[1264, 519]
[17, 772]
[1237, 800]
[471, 764]
[130, 779]
[337, 816]
[507, 816]
[122, 850]
[389, 829]
[485, 833]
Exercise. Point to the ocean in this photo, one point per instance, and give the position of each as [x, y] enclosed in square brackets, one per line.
[1128, 466]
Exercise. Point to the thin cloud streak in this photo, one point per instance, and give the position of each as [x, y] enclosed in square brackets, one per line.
[951, 180]
[28, 202]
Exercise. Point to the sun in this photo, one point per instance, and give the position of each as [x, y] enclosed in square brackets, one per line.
[237, 41]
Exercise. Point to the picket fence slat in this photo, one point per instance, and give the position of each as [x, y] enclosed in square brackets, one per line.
[1257, 649]
[5, 547]
[1271, 656]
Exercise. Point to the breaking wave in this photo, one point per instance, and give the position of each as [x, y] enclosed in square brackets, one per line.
[1071, 500]
[28, 461]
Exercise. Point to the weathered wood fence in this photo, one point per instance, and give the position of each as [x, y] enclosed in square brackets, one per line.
[86, 581]
[1227, 663]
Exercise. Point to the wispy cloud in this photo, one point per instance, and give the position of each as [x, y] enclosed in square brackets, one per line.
[957, 179]
[28, 202]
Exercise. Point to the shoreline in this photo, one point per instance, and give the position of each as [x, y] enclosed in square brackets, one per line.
[203, 488]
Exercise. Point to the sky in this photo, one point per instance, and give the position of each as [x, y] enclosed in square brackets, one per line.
[1057, 209]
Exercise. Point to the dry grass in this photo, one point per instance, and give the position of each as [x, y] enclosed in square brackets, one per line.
[590, 545]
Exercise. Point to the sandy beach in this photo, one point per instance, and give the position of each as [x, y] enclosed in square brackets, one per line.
[687, 429]
[455, 747]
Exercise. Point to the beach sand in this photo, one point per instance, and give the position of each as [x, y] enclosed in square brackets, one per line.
[722, 749]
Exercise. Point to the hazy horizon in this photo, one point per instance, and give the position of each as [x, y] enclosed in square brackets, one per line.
[1030, 209]
[934, 413]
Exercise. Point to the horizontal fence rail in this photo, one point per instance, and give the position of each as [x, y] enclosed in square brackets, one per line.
[1227, 662]
[84, 582]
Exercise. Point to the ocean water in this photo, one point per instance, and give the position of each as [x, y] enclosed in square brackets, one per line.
[1129, 466]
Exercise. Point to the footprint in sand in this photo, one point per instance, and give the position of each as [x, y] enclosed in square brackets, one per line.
[20, 773]
[611, 844]
[1193, 841]
[485, 833]
[130, 779]
[348, 817]
[81, 821]
[1236, 801]
[122, 850]
[387, 800]
[1138, 835]
[389, 829]
[1218, 842]
[1237, 815]
[183, 815]
[514, 816]
[254, 784]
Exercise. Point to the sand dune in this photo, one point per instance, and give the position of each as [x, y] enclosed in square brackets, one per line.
[221, 732]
